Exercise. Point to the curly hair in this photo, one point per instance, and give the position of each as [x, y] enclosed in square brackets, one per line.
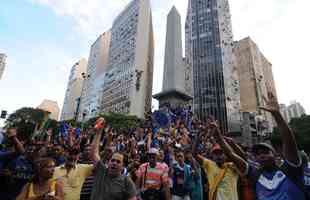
[39, 164]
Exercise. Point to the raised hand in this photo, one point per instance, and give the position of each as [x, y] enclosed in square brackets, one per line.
[12, 132]
[271, 104]
[100, 123]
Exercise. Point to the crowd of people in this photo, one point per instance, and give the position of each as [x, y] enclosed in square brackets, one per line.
[188, 160]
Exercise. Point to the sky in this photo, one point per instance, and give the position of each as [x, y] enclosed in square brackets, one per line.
[44, 38]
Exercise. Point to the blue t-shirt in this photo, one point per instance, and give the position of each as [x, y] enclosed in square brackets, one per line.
[276, 185]
[60, 160]
[22, 172]
[5, 157]
[307, 177]
[182, 180]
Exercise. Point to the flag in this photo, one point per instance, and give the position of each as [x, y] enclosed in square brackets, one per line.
[77, 132]
[64, 129]
[161, 118]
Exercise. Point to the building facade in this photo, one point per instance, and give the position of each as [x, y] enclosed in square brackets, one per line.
[2, 64]
[74, 91]
[255, 78]
[209, 50]
[129, 78]
[295, 110]
[96, 67]
[50, 106]
[284, 112]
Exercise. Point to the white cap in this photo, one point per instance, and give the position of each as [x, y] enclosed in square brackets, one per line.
[153, 151]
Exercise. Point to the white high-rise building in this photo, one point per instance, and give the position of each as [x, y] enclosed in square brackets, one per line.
[2, 64]
[97, 65]
[98, 94]
[295, 110]
[284, 112]
[74, 91]
[129, 79]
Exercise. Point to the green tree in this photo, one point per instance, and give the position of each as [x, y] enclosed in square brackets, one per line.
[301, 128]
[26, 120]
[119, 122]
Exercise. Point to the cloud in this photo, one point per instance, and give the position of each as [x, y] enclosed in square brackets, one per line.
[279, 27]
[91, 17]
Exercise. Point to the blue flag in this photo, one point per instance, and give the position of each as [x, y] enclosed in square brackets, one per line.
[161, 118]
[64, 130]
[77, 132]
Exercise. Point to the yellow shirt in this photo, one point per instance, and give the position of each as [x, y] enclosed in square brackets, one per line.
[227, 187]
[52, 192]
[74, 180]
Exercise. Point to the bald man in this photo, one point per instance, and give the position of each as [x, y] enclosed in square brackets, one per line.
[110, 184]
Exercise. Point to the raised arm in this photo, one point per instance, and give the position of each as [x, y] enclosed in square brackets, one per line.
[18, 145]
[237, 149]
[198, 157]
[290, 150]
[149, 141]
[237, 160]
[100, 124]
[59, 190]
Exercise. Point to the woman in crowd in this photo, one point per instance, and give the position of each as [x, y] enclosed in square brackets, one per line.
[43, 186]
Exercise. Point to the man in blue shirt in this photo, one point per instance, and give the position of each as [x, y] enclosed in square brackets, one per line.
[183, 181]
[306, 168]
[6, 159]
[8, 155]
[270, 181]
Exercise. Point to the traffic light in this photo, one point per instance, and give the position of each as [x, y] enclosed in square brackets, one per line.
[3, 114]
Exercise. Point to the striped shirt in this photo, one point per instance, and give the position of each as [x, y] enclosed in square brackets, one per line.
[153, 178]
[87, 188]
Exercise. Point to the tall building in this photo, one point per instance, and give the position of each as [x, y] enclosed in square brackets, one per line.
[74, 91]
[188, 77]
[129, 79]
[2, 64]
[50, 106]
[284, 112]
[174, 83]
[209, 50]
[295, 110]
[98, 91]
[97, 65]
[255, 84]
